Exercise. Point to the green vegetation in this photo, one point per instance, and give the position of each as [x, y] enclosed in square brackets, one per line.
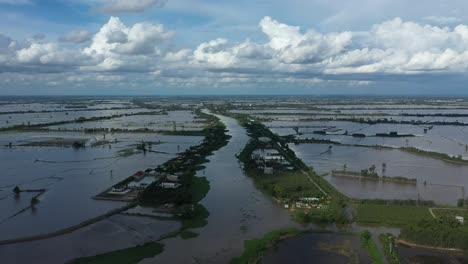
[185, 234]
[369, 245]
[124, 256]
[443, 212]
[287, 185]
[255, 248]
[388, 244]
[199, 188]
[390, 215]
[444, 232]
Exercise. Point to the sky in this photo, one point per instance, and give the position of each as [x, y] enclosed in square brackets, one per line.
[194, 47]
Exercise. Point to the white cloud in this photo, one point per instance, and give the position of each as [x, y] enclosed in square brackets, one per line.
[177, 56]
[114, 38]
[47, 53]
[124, 6]
[294, 47]
[77, 36]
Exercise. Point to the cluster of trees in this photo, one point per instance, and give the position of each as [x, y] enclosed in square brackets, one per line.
[444, 232]
[187, 163]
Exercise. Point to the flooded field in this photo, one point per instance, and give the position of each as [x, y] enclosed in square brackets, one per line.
[437, 180]
[71, 177]
[318, 248]
[59, 168]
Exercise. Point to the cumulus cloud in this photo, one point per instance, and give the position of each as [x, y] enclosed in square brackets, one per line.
[125, 6]
[289, 54]
[115, 37]
[47, 53]
[76, 36]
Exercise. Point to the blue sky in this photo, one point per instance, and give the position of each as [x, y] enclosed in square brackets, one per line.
[233, 47]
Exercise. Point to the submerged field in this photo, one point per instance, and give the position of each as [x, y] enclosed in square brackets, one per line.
[61, 153]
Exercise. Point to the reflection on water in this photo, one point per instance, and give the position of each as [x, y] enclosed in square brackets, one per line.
[318, 248]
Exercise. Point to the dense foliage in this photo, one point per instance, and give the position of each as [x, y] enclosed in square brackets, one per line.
[444, 232]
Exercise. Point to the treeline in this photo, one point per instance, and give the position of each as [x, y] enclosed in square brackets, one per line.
[186, 163]
[445, 232]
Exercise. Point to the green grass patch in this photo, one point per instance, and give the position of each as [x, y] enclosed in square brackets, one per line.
[390, 215]
[198, 219]
[185, 234]
[438, 212]
[124, 256]
[388, 244]
[371, 247]
[255, 248]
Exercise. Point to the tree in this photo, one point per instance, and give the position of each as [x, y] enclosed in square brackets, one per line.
[16, 190]
[278, 191]
[372, 169]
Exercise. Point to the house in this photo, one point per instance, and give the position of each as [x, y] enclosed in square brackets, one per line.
[168, 184]
[138, 175]
[460, 219]
[119, 191]
[172, 178]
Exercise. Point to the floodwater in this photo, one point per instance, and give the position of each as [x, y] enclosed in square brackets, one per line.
[451, 140]
[419, 255]
[318, 248]
[116, 232]
[238, 211]
[445, 182]
[71, 177]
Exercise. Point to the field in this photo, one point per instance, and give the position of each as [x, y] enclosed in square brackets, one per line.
[438, 212]
[390, 215]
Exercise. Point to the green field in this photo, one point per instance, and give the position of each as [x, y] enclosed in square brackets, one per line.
[255, 248]
[450, 212]
[390, 215]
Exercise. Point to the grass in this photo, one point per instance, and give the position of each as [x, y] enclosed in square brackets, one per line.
[371, 247]
[186, 234]
[390, 215]
[255, 248]
[388, 244]
[124, 256]
[198, 219]
[450, 212]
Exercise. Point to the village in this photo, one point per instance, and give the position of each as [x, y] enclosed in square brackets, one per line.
[269, 162]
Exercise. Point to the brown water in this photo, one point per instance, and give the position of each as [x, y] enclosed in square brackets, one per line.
[445, 182]
[318, 248]
[238, 211]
